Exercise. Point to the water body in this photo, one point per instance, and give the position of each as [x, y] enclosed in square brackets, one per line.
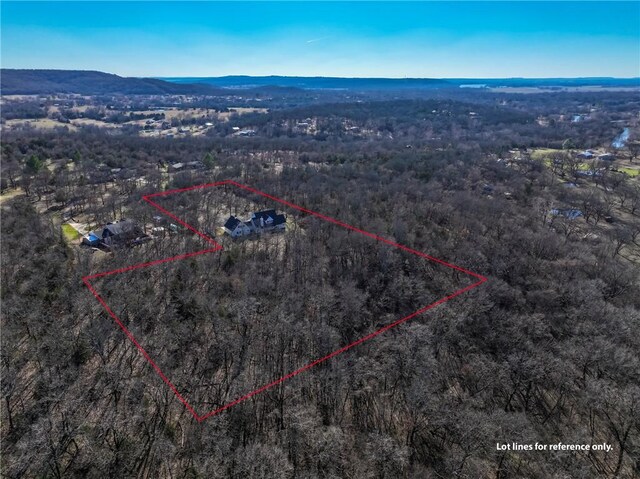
[620, 140]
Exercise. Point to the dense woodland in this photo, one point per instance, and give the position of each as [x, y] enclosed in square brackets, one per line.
[547, 350]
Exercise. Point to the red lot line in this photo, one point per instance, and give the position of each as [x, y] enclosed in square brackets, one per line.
[481, 279]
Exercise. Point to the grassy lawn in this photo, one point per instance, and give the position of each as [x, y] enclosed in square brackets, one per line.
[543, 153]
[70, 233]
[630, 171]
[581, 166]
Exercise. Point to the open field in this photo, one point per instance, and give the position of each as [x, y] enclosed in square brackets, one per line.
[40, 124]
[543, 153]
[171, 114]
[183, 113]
[627, 166]
[6, 98]
[89, 122]
[623, 164]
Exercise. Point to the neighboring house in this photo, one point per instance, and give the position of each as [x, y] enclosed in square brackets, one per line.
[260, 222]
[606, 157]
[113, 233]
[246, 133]
[568, 213]
[193, 165]
[586, 155]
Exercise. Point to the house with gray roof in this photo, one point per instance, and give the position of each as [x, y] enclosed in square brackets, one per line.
[259, 222]
[113, 233]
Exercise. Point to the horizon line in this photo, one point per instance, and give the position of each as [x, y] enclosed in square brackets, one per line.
[275, 75]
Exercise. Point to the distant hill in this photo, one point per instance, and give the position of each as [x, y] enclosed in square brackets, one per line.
[314, 83]
[32, 82]
[364, 84]
[29, 82]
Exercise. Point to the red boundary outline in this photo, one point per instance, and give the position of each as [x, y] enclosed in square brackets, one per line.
[86, 279]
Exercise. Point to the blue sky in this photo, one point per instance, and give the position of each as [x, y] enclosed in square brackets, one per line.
[383, 39]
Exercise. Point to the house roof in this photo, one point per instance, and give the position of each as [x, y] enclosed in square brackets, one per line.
[123, 226]
[277, 219]
[263, 214]
[231, 223]
[566, 212]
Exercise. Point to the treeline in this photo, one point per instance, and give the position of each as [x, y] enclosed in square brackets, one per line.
[23, 110]
[545, 351]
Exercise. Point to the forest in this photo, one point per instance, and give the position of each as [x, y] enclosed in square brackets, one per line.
[546, 351]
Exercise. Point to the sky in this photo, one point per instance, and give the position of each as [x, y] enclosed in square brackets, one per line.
[359, 39]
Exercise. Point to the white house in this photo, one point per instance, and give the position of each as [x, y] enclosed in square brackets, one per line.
[235, 228]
